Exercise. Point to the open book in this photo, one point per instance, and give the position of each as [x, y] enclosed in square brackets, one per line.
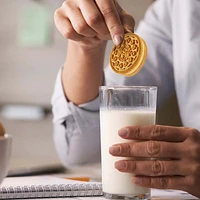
[46, 187]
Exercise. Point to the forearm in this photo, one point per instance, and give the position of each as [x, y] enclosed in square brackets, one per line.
[83, 72]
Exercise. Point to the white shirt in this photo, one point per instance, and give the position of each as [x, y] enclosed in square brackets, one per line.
[171, 29]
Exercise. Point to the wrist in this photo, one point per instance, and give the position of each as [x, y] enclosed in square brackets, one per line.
[86, 56]
[91, 48]
[86, 66]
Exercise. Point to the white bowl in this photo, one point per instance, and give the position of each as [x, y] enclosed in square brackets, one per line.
[5, 155]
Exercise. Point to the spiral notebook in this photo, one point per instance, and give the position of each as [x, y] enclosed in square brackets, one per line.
[47, 187]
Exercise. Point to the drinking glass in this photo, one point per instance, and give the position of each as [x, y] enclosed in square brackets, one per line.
[122, 106]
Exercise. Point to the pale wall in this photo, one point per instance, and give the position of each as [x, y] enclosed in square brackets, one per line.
[27, 74]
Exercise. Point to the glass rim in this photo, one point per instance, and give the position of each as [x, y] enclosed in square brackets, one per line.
[116, 87]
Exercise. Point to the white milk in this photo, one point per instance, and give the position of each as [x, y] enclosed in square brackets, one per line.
[115, 182]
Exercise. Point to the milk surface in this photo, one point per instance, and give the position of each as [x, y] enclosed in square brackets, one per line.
[115, 182]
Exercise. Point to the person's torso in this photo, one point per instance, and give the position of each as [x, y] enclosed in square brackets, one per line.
[186, 58]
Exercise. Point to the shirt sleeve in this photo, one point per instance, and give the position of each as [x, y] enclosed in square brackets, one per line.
[77, 128]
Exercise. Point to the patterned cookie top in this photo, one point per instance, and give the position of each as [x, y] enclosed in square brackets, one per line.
[128, 57]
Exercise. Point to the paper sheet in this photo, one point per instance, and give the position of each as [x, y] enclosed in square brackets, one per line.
[34, 180]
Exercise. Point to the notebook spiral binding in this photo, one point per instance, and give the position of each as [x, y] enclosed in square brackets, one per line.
[67, 190]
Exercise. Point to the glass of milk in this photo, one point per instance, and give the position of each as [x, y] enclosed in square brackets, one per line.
[122, 106]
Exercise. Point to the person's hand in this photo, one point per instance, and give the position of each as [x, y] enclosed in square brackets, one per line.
[91, 21]
[177, 157]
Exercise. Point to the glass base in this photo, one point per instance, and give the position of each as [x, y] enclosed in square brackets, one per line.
[145, 196]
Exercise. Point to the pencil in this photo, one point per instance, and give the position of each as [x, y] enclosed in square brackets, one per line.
[85, 179]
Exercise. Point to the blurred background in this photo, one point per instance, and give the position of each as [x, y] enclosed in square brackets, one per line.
[31, 53]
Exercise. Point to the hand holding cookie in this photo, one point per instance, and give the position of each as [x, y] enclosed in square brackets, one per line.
[93, 21]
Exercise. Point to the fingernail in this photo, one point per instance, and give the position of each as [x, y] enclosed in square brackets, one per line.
[120, 165]
[136, 180]
[114, 150]
[123, 132]
[117, 40]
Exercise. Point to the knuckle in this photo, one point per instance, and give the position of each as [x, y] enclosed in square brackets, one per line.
[131, 166]
[153, 148]
[80, 27]
[129, 18]
[66, 4]
[195, 151]
[137, 132]
[107, 12]
[57, 13]
[195, 169]
[93, 19]
[192, 180]
[164, 182]
[194, 139]
[156, 132]
[157, 167]
[67, 32]
[132, 21]
[194, 134]
[117, 28]
[127, 149]
[149, 182]
[56, 16]
[134, 131]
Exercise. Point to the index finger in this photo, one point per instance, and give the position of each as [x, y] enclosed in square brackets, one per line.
[112, 19]
[154, 132]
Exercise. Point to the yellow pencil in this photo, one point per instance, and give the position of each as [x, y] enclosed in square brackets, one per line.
[85, 179]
